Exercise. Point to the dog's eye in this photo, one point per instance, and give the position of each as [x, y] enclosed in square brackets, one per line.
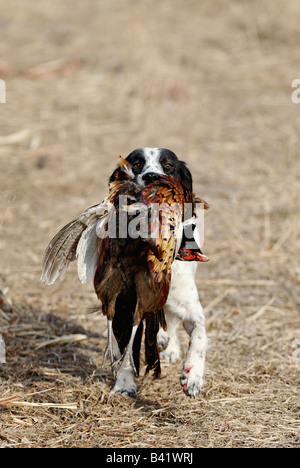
[168, 165]
[137, 165]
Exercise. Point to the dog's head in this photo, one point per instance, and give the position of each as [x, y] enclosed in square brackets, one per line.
[148, 163]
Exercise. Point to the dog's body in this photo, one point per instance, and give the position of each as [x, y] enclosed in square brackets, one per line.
[183, 304]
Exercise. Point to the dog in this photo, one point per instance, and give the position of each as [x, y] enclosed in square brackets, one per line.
[183, 304]
[79, 240]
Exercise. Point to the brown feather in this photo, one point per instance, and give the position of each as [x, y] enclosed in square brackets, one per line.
[151, 346]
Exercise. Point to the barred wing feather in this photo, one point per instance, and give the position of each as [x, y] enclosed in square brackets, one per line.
[87, 254]
[67, 245]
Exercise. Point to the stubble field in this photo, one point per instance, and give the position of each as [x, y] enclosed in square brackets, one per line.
[210, 80]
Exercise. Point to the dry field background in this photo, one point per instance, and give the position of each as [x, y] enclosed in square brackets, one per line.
[211, 80]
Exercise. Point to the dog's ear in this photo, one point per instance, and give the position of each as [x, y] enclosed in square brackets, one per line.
[185, 175]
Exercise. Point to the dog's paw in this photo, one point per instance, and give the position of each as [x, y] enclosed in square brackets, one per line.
[162, 340]
[125, 385]
[172, 352]
[191, 380]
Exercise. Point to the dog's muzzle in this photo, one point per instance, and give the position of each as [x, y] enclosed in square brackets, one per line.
[150, 177]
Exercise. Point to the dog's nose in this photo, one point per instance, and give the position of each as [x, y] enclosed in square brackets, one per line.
[150, 177]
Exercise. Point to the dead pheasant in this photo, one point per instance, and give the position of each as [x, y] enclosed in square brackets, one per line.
[131, 273]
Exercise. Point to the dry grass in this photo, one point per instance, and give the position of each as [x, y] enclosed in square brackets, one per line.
[210, 80]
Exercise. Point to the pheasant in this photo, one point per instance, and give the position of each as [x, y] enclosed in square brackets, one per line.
[131, 273]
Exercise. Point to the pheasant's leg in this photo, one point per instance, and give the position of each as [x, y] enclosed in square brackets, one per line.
[109, 345]
[128, 355]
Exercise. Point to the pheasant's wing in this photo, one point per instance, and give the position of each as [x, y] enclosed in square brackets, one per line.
[67, 245]
[87, 253]
[94, 243]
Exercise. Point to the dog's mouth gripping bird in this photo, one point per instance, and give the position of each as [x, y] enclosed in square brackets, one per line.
[129, 258]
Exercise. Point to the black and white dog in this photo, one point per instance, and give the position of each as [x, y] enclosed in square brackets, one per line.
[183, 304]
[79, 240]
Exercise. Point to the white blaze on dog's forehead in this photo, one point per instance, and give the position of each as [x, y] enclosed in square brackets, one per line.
[150, 151]
[152, 157]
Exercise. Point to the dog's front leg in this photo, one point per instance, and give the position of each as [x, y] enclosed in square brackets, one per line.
[184, 304]
[193, 373]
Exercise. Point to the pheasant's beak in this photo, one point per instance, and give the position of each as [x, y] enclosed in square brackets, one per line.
[189, 256]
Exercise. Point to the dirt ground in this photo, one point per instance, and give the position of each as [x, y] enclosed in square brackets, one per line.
[210, 80]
